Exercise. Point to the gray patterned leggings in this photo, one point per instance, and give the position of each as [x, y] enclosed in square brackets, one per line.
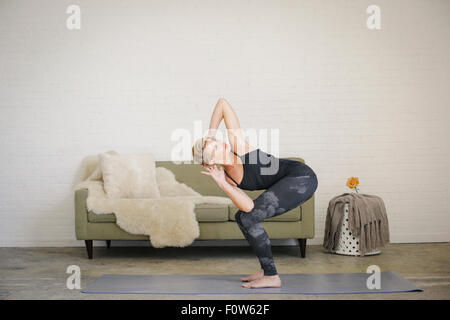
[289, 192]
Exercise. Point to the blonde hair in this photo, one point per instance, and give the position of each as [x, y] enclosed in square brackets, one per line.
[198, 150]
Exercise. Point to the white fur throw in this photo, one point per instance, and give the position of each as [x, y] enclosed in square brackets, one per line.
[129, 176]
[168, 221]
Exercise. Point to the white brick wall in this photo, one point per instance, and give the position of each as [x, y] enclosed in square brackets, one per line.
[351, 101]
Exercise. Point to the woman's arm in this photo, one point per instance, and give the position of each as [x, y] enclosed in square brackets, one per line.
[239, 197]
[223, 110]
[216, 118]
[236, 137]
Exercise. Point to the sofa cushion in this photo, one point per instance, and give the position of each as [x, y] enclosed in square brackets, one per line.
[204, 212]
[291, 215]
[207, 212]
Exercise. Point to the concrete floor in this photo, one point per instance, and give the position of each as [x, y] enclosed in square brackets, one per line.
[40, 273]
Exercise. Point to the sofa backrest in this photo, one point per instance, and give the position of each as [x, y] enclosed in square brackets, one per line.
[188, 172]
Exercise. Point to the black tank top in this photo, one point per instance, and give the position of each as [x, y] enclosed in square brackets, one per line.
[261, 169]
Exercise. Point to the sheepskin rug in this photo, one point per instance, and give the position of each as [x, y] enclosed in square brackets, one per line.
[168, 221]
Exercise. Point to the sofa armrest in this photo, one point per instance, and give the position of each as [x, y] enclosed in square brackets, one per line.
[81, 214]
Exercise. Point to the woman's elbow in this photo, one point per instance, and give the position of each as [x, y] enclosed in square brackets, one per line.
[250, 207]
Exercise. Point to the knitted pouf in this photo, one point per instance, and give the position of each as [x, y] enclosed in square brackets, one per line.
[348, 243]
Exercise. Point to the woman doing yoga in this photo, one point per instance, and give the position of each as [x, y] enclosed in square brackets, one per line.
[287, 184]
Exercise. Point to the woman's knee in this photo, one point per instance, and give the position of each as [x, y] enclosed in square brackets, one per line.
[246, 219]
[237, 217]
[241, 218]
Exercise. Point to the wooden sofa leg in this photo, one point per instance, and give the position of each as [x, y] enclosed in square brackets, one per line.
[108, 244]
[302, 245]
[89, 248]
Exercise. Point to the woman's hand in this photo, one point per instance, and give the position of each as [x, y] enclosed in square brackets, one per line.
[217, 174]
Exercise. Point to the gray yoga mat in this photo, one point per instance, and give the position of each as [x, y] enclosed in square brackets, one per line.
[313, 283]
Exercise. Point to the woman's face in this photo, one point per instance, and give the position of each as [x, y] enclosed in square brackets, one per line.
[218, 151]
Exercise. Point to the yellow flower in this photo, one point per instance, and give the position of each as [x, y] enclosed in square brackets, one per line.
[352, 182]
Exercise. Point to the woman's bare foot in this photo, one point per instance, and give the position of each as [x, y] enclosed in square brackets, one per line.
[254, 276]
[264, 282]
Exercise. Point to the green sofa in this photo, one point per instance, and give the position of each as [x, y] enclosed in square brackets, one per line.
[216, 222]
